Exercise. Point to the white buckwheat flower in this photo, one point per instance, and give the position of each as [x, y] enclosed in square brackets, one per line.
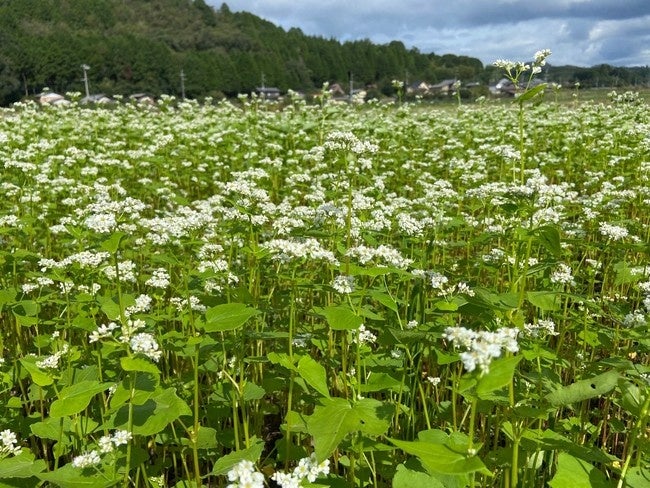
[562, 275]
[362, 335]
[343, 284]
[86, 460]
[8, 443]
[146, 344]
[613, 232]
[483, 346]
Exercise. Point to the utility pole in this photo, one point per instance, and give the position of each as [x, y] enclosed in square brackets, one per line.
[263, 81]
[182, 85]
[85, 67]
[351, 78]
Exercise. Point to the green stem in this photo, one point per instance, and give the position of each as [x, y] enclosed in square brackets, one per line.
[129, 444]
[639, 427]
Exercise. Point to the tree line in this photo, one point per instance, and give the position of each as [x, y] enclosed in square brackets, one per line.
[144, 45]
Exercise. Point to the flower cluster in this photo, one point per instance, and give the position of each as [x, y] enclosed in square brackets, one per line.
[562, 275]
[543, 327]
[363, 335]
[9, 444]
[308, 468]
[244, 475]
[343, 284]
[106, 445]
[514, 69]
[52, 361]
[482, 346]
[139, 342]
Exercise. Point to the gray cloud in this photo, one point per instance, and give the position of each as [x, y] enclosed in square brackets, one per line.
[579, 32]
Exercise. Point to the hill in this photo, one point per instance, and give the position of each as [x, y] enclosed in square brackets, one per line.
[142, 45]
[145, 45]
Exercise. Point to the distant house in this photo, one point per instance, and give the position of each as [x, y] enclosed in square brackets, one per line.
[505, 87]
[419, 88]
[445, 87]
[336, 90]
[143, 98]
[268, 92]
[51, 98]
[98, 98]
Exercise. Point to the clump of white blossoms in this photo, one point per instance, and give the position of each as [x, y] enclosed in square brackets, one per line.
[145, 343]
[139, 342]
[343, 284]
[562, 275]
[635, 319]
[245, 475]
[308, 468]
[363, 335]
[613, 232]
[119, 438]
[383, 255]
[9, 444]
[87, 459]
[52, 361]
[159, 279]
[543, 327]
[482, 346]
[514, 69]
[106, 444]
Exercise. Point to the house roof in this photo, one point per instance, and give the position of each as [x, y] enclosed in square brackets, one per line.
[445, 83]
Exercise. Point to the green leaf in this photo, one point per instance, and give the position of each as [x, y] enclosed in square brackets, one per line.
[40, 377]
[112, 244]
[385, 299]
[227, 316]
[206, 438]
[439, 458]
[632, 399]
[314, 375]
[139, 364]
[23, 465]
[501, 372]
[532, 93]
[282, 359]
[549, 440]
[137, 392]
[252, 391]
[637, 477]
[408, 478]
[340, 317]
[355, 270]
[225, 463]
[7, 295]
[75, 398]
[154, 415]
[584, 389]
[577, 473]
[337, 418]
[544, 300]
[625, 275]
[51, 428]
[549, 237]
[26, 308]
[295, 422]
[382, 382]
[71, 477]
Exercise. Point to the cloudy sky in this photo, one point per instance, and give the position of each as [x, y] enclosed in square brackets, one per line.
[578, 32]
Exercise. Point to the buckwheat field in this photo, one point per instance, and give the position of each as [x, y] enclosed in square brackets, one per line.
[248, 295]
